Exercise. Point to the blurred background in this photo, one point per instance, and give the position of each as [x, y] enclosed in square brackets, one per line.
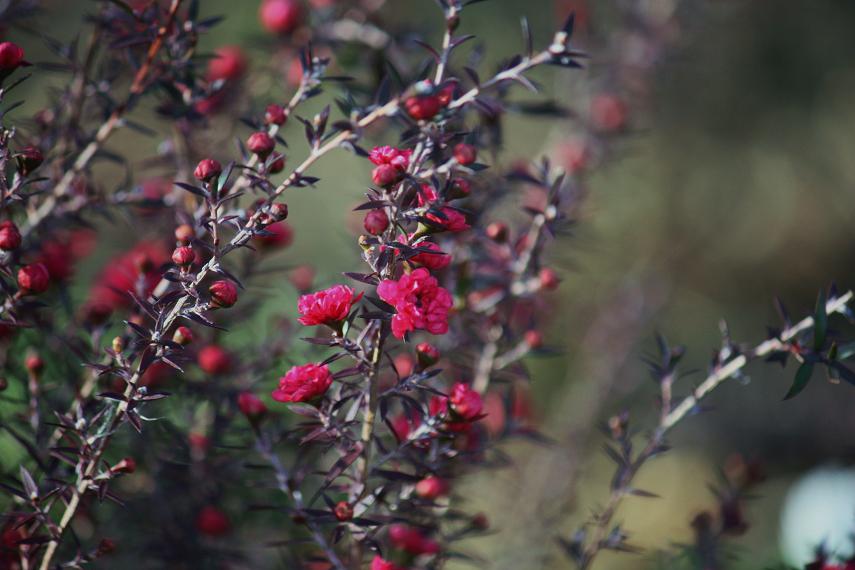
[734, 185]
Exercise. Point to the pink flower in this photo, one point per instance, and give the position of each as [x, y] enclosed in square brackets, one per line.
[391, 164]
[427, 195]
[431, 488]
[379, 564]
[419, 301]
[327, 307]
[398, 158]
[465, 402]
[451, 220]
[303, 383]
[412, 540]
[434, 261]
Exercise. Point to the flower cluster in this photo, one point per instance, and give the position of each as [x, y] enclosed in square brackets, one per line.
[419, 302]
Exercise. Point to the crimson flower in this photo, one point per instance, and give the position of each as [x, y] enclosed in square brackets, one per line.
[379, 563]
[419, 301]
[412, 540]
[303, 383]
[328, 307]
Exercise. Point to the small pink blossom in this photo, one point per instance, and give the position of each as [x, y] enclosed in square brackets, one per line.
[451, 220]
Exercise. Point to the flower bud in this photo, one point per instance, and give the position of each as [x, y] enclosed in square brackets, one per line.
[184, 256]
[252, 407]
[33, 279]
[207, 170]
[498, 231]
[212, 521]
[608, 113]
[427, 354]
[280, 16]
[183, 336]
[223, 294]
[460, 188]
[105, 547]
[118, 344]
[260, 143]
[229, 64]
[184, 234]
[376, 222]
[3, 384]
[465, 154]
[533, 338]
[10, 237]
[386, 175]
[275, 115]
[431, 488]
[279, 211]
[343, 511]
[34, 364]
[422, 107]
[126, 465]
[29, 158]
[213, 359]
[548, 279]
[480, 521]
[11, 57]
[277, 165]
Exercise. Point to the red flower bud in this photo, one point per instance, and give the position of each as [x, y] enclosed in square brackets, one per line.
[212, 521]
[379, 563]
[376, 222]
[608, 113]
[11, 56]
[480, 521]
[184, 256]
[427, 354]
[533, 338]
[279, 211]
[460, 188]
[275, 115]
[343, 511]
[184, 234]
[411, 539]
[213, 359]
[498, 231]
[182, 336]
[33, 279]
[280, 16]
[548, 278]
[431, 488]
[386, 175]
[260, 143]
[29, 158]
[207, 170]
[302, 277]
[34, 364]
[465, 154]
[229, 64]
[223, 294]
[422, 107]
[10, 237]
[126, 465]
[251, 406]
[277, 165]
[105, 547]
[465, 402]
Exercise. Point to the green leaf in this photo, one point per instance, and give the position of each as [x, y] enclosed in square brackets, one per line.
[820, 322]
[803, 376]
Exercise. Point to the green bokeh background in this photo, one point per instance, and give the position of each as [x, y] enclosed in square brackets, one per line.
[735, 186]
